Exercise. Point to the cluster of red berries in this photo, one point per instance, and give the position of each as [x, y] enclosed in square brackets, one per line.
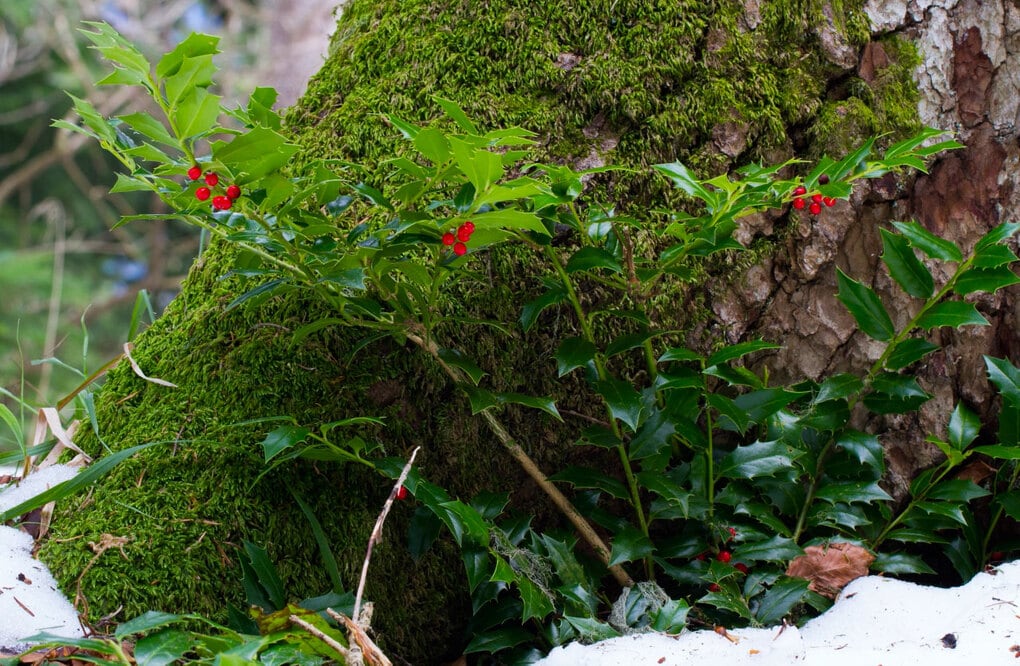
[220, 201]
[725, 556]
[815, 205]
[458, 239]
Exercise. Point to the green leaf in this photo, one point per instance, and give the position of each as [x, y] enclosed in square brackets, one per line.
[1010, 503]
[457, 115]
[987, 280]
[839, 387]
[464, 521]
[588, 258]
[684, 180]
[627, 342]
[529, 313]
[866, 308]
[999, 451]
[763, 403]
[964, 426]
[257, 153]
[671, 618]
[866, 448]
[495, 640]
[266, 574]
[547, 405]
[904, 266]
[958, 490]
[536, 600]
[198, 113]
[81, 480]
[732, 352]
[630, 544]
[281, 439]
[433, 144]
[951, 510]
[482, 167]
[584, 477]
[929, 243]
[457, 359]
[512, 219]
[728, 411]
[997, 235]
[858, 491]
[592, 630]
[163, 648]
[150, 128]
[900, 563]
[895, 394]
[953, 314]
[1005, 376]
[758, 459]
[574, 353]
[145, 622]
[909, 351]
[479, 398]
[994, 256]
[779, 599]
[117, 49]
[653, 437]
[776, 549]
[623, 401]
[679, 354]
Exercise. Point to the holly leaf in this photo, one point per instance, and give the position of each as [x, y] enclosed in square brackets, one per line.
[904, 266]
[952, 314]
[866, 308]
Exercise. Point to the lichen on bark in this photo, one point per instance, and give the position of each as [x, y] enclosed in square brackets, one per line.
[629, 82]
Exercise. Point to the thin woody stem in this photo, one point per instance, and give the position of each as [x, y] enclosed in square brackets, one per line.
[579, 522]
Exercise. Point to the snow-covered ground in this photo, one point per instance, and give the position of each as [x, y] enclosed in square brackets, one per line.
[876, 620]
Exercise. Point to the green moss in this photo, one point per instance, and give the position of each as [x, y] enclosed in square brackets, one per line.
[656, 76]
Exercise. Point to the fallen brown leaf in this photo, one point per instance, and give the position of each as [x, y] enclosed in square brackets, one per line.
[830, 568]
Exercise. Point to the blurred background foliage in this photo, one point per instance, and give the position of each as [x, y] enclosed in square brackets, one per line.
[67, 279]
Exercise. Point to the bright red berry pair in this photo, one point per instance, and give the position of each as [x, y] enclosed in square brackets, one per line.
[459, 238]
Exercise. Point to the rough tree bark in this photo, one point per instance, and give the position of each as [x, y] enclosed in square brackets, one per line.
[630, 82]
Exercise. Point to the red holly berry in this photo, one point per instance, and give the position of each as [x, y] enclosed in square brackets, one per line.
[996, 556]
[463, 234]
[829, 201]
[815, 208]
[823, 179]
[817, 198]
[799, 203]
[469, 225]
[741, 567]
[221, 202]
[202, 193]
[195, 172]
[211, 179]
[233, 192]
[800, 190]
[724, 556]
[401, 493]
[460, 249]
[702, 557]
[732, 531]
[449, 239]
[714, 587]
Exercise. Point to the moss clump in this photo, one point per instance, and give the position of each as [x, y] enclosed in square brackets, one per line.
[644, 81]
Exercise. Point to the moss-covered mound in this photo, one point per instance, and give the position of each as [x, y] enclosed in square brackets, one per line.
[629, 81]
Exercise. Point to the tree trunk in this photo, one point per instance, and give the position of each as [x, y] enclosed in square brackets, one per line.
[626, 82]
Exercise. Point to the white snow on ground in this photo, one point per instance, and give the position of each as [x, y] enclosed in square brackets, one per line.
[876, 620]
[30, 602]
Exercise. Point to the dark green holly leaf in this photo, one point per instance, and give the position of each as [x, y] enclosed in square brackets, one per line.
[904, 266]
[465, 523]
[895, 394]
[163, 648]
[653, 437]
[457, 359]
[900, 563]
[477, 565]
[537, 603]
[859, 491]
[1010, 503]
[734, 376]
[547, 405]
[628, 342]
[600, 436]
[951, 510]
[780, 598]
[985, 279]
[866, 448]
[758, 459]
[529, 313]
[763, 403]
[498, 639]
[994, 256]
[479, 398]
[731, 416]
[630, 544]
[953, 314]
[432, 144]
[588, 258]
[574, 353]
[281, 439]
[865, 307]
[1005, 376]
[964, 426]
[736, 351]
[776, 549]
[584, 477]
[679, 354]
[932, 245]
[839, 387]
[909, 351]
[957, 490]
[623, 400]
[671, 618]
[996, 235]
[591, 629]
[916, 535]
[146, 622]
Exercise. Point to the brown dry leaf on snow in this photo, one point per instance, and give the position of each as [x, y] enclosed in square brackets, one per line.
[830, 568]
